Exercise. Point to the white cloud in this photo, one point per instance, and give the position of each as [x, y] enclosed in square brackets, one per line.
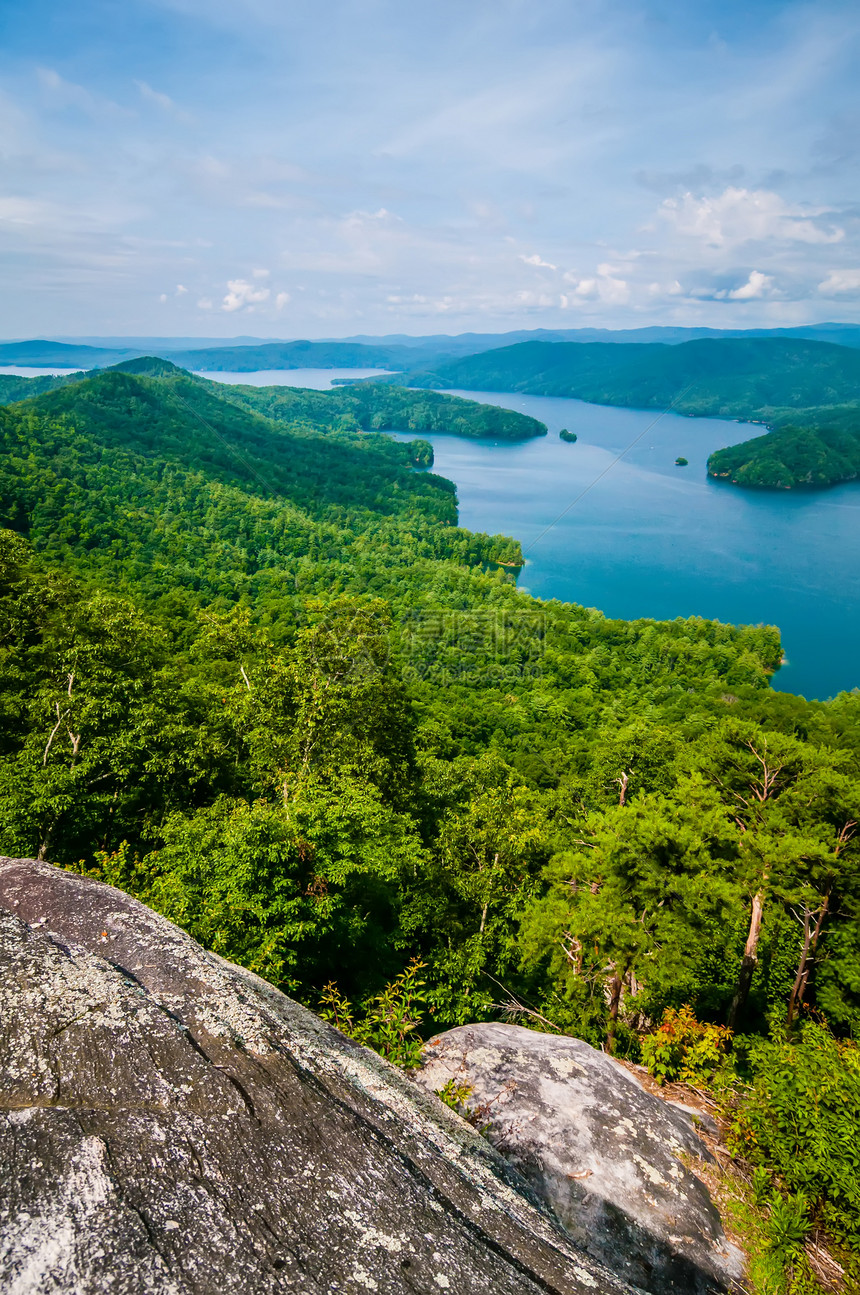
[535, 299]
[536, 260]
[260, 274]
[605, 286]
[181, 290]
[205, 303]
[744, 215]
[68, 94]
[155, 96]
[757, 285]
[242, 295]
[281, 300]
[672, 289]
[163, 102]
[840, 281]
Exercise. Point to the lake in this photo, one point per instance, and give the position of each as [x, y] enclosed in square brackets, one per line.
[638, 536]
[317, 379]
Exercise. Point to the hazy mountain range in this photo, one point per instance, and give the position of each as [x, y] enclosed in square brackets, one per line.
[394, 351]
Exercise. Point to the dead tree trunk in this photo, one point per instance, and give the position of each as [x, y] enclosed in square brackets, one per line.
[807, 957]
[749, 962]
[615, 987]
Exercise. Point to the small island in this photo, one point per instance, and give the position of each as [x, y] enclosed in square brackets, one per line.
[565, 435]
[681, 462]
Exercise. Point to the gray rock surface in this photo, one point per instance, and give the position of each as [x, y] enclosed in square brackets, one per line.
[615, 1163]
[172, 1125]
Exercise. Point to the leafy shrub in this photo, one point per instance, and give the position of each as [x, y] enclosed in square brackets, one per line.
[455, 1094]
[683, 1048]
[390, 1020]
[801, 1121]
[788, 1225]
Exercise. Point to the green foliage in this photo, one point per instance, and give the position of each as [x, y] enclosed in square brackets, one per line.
[685, 1049]
[295, 893]
[772, 1230]
[565, 435]
[388, 1022]
[627, 911]
[455, 1094]
[801, 1122]
[788, 1226]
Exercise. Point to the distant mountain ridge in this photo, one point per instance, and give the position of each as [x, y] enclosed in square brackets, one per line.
[717, 377]
[399, 352]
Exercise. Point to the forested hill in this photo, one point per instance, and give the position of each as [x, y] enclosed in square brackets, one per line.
[807, 391]
[178, 420]
[724, 377]
[359, 407]
[387, 408]
[123, 478]
[13, 387]
[816, 447]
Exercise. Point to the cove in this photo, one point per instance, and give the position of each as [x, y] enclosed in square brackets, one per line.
[640, 537]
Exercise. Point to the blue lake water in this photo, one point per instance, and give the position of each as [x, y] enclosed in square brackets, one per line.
[28, 371]
[317, 379]
[637, 536]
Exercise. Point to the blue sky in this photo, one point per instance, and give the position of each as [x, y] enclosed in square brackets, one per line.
[285, 168]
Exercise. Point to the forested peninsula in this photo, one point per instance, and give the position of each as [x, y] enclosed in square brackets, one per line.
[355, 407]
[805, 391]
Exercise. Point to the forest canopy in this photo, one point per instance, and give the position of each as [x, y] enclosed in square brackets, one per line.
[253, 672]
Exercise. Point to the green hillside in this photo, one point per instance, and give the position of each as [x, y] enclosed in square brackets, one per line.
[358, 407]
[807, 391]
[819, 448]
[726, 377]
[14, 388]
[388, 408]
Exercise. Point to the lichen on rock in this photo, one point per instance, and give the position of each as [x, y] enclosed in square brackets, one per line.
[172, 1125]
[615, 1163]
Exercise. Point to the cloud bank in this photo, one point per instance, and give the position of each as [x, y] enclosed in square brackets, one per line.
[503, 166]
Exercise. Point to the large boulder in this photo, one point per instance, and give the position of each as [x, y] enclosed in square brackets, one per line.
[172, 1125]
[616, 1164]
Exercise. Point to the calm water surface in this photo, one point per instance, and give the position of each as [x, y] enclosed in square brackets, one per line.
[27, 371]
[318, 379]
[651, 539]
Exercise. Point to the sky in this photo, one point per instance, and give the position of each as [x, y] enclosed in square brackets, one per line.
[322, 168]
